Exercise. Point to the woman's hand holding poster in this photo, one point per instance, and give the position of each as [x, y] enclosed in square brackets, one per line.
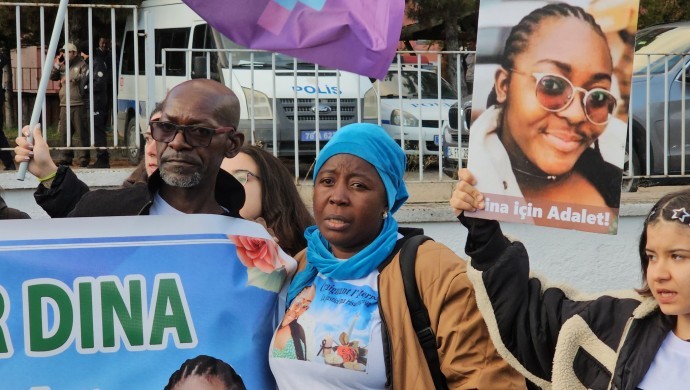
[550, 101]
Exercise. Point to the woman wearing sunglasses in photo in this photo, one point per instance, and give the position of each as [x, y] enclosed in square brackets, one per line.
[550, 103]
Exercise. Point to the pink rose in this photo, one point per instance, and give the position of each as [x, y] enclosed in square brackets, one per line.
[347, 353]
[257, 252]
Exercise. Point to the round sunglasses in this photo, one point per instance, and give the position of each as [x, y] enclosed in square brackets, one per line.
[555, 93]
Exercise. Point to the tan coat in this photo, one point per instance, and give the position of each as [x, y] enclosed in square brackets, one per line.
[468, 357]
[79, 70]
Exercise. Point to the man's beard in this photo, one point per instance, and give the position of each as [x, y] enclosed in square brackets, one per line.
[179, 180]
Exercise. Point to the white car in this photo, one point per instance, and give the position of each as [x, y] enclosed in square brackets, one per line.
[408, 112]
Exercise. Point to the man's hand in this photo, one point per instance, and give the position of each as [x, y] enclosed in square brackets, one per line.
[37, 154]
[465, 197]
[57, 62]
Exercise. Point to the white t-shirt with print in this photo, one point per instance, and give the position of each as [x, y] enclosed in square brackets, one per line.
[671, 366]
[342, 338]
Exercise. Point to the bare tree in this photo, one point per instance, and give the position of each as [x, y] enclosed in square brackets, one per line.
[451, 14]
[663, 11]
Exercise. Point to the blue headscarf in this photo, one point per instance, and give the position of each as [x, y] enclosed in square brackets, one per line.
[372, 144]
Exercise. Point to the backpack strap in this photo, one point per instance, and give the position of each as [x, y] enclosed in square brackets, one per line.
[418, 312]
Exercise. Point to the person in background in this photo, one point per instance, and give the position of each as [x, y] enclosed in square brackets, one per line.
[207, 373]
[78, 72]
[149, 163]
[469, 62]
[271, 195]
[358, 328]
[561, 339]
[5, 156]
[102, 98]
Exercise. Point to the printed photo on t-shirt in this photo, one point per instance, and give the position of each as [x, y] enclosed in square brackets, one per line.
[330, 322]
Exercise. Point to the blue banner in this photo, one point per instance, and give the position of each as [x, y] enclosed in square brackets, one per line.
[122, 302]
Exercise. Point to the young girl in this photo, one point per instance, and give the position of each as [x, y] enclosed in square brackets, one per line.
[562, 340]
[207, 373]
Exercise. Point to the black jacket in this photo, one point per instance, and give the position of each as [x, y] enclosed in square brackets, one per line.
[102, 84]
[554, 336]
[10, 213]
[63, 194]
[137, 199]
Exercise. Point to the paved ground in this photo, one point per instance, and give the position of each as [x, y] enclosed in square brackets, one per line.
[650, 194]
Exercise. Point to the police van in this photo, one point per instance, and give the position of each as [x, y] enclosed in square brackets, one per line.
[276, 92]
[411, 108]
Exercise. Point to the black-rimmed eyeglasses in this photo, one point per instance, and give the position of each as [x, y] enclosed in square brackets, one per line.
[195, 136]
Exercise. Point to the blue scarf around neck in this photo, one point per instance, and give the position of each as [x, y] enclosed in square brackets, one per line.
[321, 260]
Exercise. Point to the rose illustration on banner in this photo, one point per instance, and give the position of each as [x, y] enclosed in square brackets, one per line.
[265, 267]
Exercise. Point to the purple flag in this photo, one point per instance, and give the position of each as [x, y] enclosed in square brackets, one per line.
[359, 36]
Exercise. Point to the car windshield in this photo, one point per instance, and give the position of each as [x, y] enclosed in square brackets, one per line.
[406, 87]
[261, 59]
[651, 46]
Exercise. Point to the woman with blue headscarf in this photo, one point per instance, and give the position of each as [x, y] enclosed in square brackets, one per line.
[348, 323]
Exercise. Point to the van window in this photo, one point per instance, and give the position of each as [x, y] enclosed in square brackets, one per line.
[172, 38]
[202, 38]
[128, 54]
[409, 85]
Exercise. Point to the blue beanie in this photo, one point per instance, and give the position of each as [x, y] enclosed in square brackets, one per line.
[372, 144]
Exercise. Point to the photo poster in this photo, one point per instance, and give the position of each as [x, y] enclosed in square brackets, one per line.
[548, 137]
[123, 302]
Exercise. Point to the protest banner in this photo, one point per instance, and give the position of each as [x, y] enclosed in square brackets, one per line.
[550, 100]
[359, 36]
[122, 302]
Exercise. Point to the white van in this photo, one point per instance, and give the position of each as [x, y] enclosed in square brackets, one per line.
[405, 113]
[176, 26]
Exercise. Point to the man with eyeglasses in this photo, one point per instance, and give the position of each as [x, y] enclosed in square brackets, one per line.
[196, 130]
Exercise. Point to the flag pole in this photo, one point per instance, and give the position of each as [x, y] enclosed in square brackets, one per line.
[45, 75]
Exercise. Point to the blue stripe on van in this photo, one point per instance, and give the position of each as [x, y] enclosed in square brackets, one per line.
[124, 105]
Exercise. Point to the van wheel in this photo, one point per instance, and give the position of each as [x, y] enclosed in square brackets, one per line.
[133, 153]
[630, 184]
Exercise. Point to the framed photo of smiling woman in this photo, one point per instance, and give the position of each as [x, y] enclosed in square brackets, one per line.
[550, 101]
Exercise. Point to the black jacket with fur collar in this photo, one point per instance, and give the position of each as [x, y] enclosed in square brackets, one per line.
[137, 199]
[555, 337]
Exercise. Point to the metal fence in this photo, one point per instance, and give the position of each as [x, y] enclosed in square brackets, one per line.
[22, 74]
[293, 108]
[414, 116]
[658, 117]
